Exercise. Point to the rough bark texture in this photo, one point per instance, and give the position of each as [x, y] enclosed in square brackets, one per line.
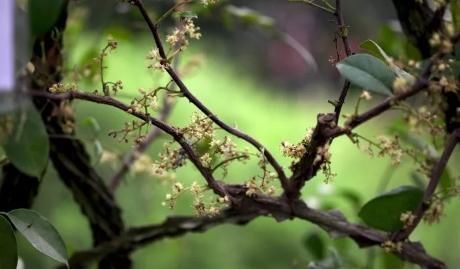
[67, 154]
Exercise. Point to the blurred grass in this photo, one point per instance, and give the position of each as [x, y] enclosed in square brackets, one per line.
[271, 116]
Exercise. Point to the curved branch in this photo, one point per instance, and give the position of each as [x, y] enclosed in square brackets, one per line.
[188, 94]
[175, 134]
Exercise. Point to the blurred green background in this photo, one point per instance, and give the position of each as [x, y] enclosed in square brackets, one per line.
[255, 82]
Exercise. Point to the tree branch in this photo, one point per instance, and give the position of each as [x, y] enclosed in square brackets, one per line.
[187, 93]
[248, 209]
[435, 177]
[173, 132]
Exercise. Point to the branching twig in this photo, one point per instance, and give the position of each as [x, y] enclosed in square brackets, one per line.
[435, 178]
[343, 32]
[187, 93]
[176, 135]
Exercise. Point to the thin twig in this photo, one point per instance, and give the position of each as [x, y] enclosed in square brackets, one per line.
[344, 36]
[173, 132]
[187, 93]
[435, 178]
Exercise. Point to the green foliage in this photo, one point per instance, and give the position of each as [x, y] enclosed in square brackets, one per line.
[384, 211]
[43, 14]
[40, 233]
[26, 143]
[8, 245]
[368, 72]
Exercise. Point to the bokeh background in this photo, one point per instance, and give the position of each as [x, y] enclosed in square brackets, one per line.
[250, 78]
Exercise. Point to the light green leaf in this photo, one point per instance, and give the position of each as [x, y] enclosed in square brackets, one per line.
[26, 141]
[368, 72]
[384, 211]
[43, 14]
[374, 49]
[40, 233]
[8, 245]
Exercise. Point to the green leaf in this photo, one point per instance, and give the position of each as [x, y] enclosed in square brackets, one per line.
[8, 245]
[384, 211]
[315, 245]
[26, 143]
[43, 14]
[368, 72]
[40, 233]
[375, 50]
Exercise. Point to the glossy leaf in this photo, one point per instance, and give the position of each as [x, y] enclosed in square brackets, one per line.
[368, 72]
[40, 233]
[26, 144]
[384, 211]
[43, 14]
[375, 50]
[8, 245]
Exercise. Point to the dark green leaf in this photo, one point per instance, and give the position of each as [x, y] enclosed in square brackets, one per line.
[8, 246]
[368, 72]
[315, 245]
[26, 143]
[40, 233]
[384, 211]
[43, 14]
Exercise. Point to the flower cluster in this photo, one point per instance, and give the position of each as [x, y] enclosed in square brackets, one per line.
[390, 246]
[407, 218]
[134, 128]
[157, 61]
[434, 212]
[62, 87]
[296, 151]
[178, 39]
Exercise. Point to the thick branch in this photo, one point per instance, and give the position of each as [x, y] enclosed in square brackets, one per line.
[171, 227]
[248, 209]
